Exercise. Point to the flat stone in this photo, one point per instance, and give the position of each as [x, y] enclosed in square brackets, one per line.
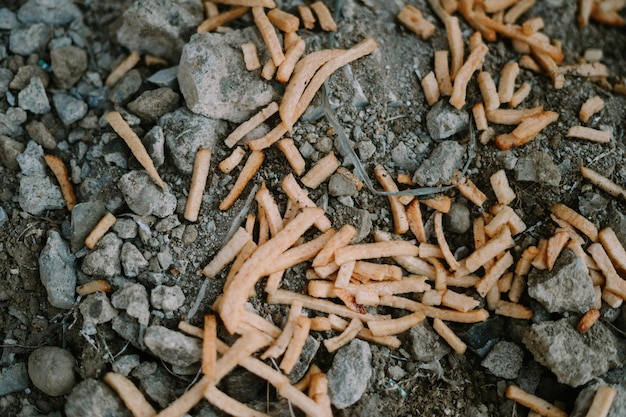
[457, 219]
[57, 271]
[339, 185]
[573, 357]
[69, 108]
[31, 160]
[104, 260]
[443, 162]
[8, 20]
[167, 298]
[567, 288]
[144, 197]
[85, 216]
[185, 132]
[160, 386]
[167, 77]
[133, 298]
[51, 12]
[349, 375]
[13, 378]
[38, 194]
[40, 134]
[538, 167]
[11, 121]
[172, 346]
[96, 309]
[404, 157]
[424, 344]
[24, 75]
[9, 151]
[51, 369]
[159, 27]
[33, 98]
[28, 39]
[68, 65]
[128, 328]
[444, 120]
[152, 104]
[586, 395]
[214, 80]
[94, 399]
[154, 141]
[132, 260]
[505, 360]
[125, 228]
[126, 87]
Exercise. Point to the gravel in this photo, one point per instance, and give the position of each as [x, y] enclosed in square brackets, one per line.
[443, 120]
[69, 108]
[132, 259]
[96, 309]
[104, 260]
[144, 197]
[11, 121]
[349, 375]
[57, 271]
[424, 344]
[152, 104]
[51, 369]
[33, 97]
[95, 399]
[505, 360]
[167, 298]
[172, 347]
[13, 378]
[133, 298]
[28, 39]
[68, 65]
[443, 162]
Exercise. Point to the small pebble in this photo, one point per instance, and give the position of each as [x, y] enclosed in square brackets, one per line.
[51, 369]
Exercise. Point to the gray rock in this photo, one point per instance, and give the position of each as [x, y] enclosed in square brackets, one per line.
[457, 220]
[129, 329]
[185, 132]
[167, 298]
[481, 337]
[125, 364]
[24, 75]
[126, 87]
[38, 194]
[371, 405]
[424, 344]
[159, 27]
[134, 299]
[40, 134]
[13, 378]
[104, 260]
[350, 373]
[69, 108]
[144, 197]
[51, 12]
[214, 80]
[8, 20]
[96, 309]
[57, 272]
[567, 288]
[28, 39]
[505, 360]
[33, 98]
[132, 260]
[167, 224]
[6, 75]
[152, 104]
[94, 399]
[125, 228]
[443, 162]
[590, 204]
[311, 346]
[617, 221]
[160, 386]
[585, 397]
[444, 120]
[404, 157]
[85, 216]
[9, 151]
[11, 120]
[244, 386]
[68, 65]
[3, 217]
[339, 185]
[31, 161]
[173, 347]
[51, 369]
[366, 149]
[573, 357]
[154, 141]
[167, 77]
[538, 167]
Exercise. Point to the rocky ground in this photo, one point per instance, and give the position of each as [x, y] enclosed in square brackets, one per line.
[55, 56]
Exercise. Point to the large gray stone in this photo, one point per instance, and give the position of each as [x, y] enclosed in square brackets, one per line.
[57, 272]
[38, 194]
[152, 104]
[585, 397]
[167, 298]
[443, 120]
[134, 299]
[159, 27]
[424, 344]
[13, 378]
[68, 65]
[132, 260]
[40, 134]
[51, 12]
[94, 399]
[69, 108]
[31, 160]
[144, 197]
[567, 287]
[51, 369]
[8, 20]
[185, 132]
[574, 358]
[538, 167]
[443, 162]
[105, 259]
[350, 373]
[33, 98]
[11, 121]
[85, 216]
[214, 80]
[173, 347]
[96, 309]
[505, 360]
[28, 39]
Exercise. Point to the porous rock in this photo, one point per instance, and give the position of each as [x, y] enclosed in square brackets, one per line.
[173, 347]
[69, 108]
[104, 260]
[9, 151]
[441, 165]
[27, 39]
[350, 373]
[133, 298]
[132, 259]
[96, 309]
[144, 197]
[505, 360]
[51, 12]
[11, 121]
[38, 194]
[443, 120]
[33, 98]
[57, 272]
[538, 167]
[424, 344]
[167, 298]
[152, 104]
[13, 378]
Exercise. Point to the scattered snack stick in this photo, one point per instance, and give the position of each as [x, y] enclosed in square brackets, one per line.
[588, 320]
[556, 243]
[488, 91]
[321, 171]
[353, 329]
[441, 13]
[134, 143]
[209, 346]
[340, 239]
[210, 9]
[549, 64]
[513, 310]
[473, 63]
[284, 21]
[584, 12]
[450, 6]
[265, 199]
[400, 220]
[279, 345]
[527, 62]
[59, 169]
[592, 69]
[480, 118]
[470, 191]
[614, 283]
[473, 316]
[613, 247]
[296, 344]
[123, 67]
[152, 60]
[198, 183]
[527, 130]
[131, 395]
[412, 19]
[533, 402]
[269, 35]
[414, 217]
[301, 199]
[532, 25]
[459, 302]
[579, 222]
[228, 404]
[494, 273]
[327, 289]
[520, 95]
[250, 56]
[518, 9]
[511, 116]
[324, 17]
[440, 203]
[590, 107]
[449, 336]
[252, 165]
[430, 88]
[492, 248]
[93, 287]
[494, 6]
[611, 18]
[269, 70]
[503, 216]
[430, 250]
[344, 274]
[292, 56]
[455, 41]
[590, 134]
[259, 323]
[232, 161]
[443, 244]
[100, 230]
[500, 185]
[442, 72]
[318, 391]
[248, 126]
[603, 182]
[395, 326]
[268, 4]
[475, 40]
[228, 253]
[602, 402]
[339, 324]
[306, 14]
[291, 152]
[213, 22]
[375, 250]
[612, 300]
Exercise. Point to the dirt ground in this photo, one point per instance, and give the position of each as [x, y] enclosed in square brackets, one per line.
[395, 114]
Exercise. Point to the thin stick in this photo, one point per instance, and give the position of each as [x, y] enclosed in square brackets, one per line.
[209, 347]
[130, 394]
[253, 163]
[269, 35]
[533, 402]
[248, 126]
[221, 19]
[198, 183]
[118, 72]
[100, 230]
[60, 171]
